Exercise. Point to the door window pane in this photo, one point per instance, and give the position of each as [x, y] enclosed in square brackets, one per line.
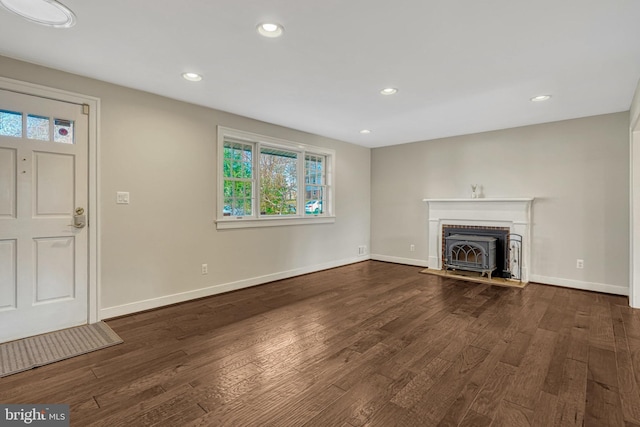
[38, 127]
[63, 131]
[10, 123]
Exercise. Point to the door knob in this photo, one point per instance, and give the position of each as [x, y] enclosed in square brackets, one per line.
[79, 219]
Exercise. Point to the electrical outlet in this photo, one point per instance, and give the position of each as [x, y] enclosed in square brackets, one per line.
[412, 248]
[579, 263]
[362, 250]
[205, 269]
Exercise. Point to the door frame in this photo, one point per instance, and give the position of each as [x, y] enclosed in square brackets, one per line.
[93, 217]
[634, 214]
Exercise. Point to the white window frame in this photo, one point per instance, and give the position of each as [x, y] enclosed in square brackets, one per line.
[257, 220]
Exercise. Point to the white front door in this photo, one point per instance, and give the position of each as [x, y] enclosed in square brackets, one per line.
[43, 188]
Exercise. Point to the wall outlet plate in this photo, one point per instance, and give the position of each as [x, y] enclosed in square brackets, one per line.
[122, 197]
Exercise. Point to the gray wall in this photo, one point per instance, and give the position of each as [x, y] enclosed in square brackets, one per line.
[164, 153]
[578, 171]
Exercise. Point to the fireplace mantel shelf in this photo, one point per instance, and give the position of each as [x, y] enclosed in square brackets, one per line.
[521, 199]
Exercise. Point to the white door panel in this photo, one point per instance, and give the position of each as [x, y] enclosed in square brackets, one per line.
[8, 180]
[54, 269]
[53, 193]
[43, 179]
[8, 278]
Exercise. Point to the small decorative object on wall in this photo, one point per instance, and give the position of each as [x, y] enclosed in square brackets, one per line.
[474, 194]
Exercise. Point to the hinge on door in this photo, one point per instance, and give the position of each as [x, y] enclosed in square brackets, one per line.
[85, 109]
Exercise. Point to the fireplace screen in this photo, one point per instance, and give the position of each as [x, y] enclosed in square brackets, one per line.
[471, 253]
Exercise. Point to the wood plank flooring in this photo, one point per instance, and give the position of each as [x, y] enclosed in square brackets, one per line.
[369, 344]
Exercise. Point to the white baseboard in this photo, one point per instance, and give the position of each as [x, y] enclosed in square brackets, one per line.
[134, 307]
[578, 284]
[399, 260]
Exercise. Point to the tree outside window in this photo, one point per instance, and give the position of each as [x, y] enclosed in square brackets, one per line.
[278, 182]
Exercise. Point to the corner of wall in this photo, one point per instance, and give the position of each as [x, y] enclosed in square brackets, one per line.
[634, 200]
[634, 109]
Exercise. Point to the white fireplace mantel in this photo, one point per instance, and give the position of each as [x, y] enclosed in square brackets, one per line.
[514, 213]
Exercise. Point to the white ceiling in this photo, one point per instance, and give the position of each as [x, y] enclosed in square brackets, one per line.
[461, 66]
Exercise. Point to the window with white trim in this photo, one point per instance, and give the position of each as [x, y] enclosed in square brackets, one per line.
[265, 181]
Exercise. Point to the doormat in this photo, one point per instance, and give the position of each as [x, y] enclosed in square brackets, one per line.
[21, 355]
[470, 276]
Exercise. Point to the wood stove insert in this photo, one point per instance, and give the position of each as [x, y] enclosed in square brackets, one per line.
[471, 253]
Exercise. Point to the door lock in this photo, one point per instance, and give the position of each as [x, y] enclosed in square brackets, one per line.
[79, 219]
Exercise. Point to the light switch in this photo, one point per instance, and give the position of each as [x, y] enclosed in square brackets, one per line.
[122, 197]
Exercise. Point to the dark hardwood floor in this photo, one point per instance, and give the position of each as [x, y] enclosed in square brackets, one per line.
[370, 344]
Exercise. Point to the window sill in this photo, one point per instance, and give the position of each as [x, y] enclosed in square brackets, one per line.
[225, 224]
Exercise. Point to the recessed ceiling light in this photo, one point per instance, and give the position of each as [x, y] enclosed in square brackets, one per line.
[192, 77]
[365, 131]
[44, 12]
[270, 29]
[540, 98]
[389, 91]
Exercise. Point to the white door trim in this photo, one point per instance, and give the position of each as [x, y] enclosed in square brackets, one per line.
[94, 177]
[634, 217]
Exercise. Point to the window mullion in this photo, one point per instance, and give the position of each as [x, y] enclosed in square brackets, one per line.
[257, 183]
